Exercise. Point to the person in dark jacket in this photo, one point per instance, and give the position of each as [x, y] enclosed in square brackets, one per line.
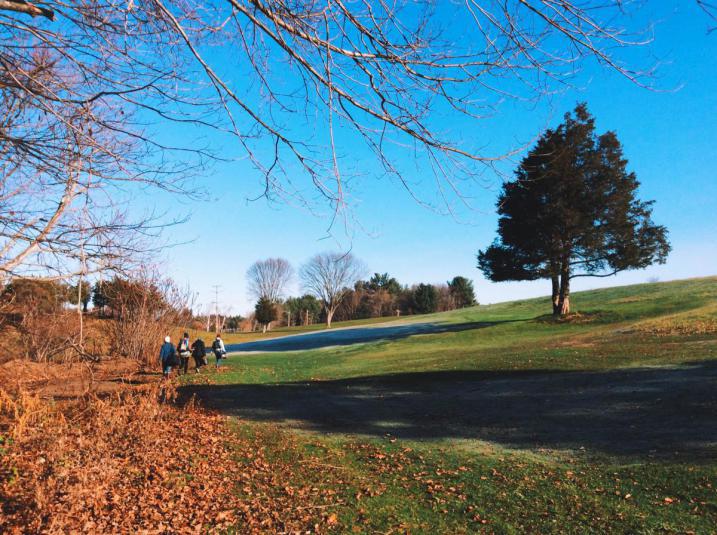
[167, 356]
[184, 352]
[199, 352]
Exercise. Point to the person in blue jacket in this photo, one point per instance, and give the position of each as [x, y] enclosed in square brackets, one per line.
[167, 356]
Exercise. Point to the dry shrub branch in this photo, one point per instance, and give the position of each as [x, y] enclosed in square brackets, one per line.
[145, 309]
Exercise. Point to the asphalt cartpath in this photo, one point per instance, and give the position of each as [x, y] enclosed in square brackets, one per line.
[349, 336]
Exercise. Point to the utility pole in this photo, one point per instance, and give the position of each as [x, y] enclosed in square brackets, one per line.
[216, 307]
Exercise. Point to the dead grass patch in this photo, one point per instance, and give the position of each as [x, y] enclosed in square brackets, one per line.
[686, 327]
[579, 317]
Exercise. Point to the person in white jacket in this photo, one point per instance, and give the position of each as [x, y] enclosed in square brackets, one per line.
[218, 348]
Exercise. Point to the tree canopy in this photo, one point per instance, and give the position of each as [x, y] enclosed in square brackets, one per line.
[269, 278]
[572, 211]
[265, 312]
[86, 87]
[41, 295]
[329, 277]
[383, 281]
[425, 298]
[304, 309]
[462, 292]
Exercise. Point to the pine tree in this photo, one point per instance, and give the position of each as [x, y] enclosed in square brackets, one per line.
[462, 292]
[265, 312]
[572, 211]
[425, 299]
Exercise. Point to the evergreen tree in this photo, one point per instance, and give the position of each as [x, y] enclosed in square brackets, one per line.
[382, 281]
[265, 312]
[462, 292]
[572, 211]
[425, 299]
[85, 292]
[305, 309]
[232, 323]
[35, 294]
[99, 297]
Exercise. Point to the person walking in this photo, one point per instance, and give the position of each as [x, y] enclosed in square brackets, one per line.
[184, 353]
[167, 357]
[218, 349]
[199, 352]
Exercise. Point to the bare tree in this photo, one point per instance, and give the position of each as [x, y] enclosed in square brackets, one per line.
[710, 9]
[73, 148]
[267, 279]
[85, 83]
[329, 277]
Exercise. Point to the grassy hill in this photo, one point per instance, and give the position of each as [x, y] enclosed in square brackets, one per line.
[506, 421]
[662, 323]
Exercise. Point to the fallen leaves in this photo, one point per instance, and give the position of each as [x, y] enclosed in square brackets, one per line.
[131, 464]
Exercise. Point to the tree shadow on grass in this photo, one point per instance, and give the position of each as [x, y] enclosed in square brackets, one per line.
[656, 411]
[356, 335]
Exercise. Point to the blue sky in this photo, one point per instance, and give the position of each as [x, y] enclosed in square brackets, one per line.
[669, 137]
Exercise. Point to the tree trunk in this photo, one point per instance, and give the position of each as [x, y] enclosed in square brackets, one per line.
[555, 279]
[564, 297]
[263, 329]
[329, 315]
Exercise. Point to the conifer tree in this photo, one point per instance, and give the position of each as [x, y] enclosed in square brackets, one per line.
[572, 211]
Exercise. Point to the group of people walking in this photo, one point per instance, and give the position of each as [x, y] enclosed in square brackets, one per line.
[178, 357]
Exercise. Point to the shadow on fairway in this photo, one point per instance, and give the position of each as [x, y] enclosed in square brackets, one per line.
[643, 411]
[356, 335]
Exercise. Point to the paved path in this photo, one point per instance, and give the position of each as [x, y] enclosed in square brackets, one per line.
[350, 335]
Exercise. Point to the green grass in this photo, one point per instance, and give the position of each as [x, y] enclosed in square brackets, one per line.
[468, 486]
[386, 486]
[624, 326]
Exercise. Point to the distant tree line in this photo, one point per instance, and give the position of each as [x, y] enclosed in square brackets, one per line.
[334, 290]
[383, 295]
[110, 298]
[45, 295]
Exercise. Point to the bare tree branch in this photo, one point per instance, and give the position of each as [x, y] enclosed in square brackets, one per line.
[86, 85]
[267, 279]
[28, 8]
[329, 277]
